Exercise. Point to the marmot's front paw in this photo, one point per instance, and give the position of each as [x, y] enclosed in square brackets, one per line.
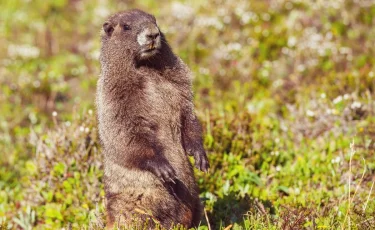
[201, 161]
[162, 169]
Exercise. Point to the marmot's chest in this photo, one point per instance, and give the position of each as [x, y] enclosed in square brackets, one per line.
[166, 100]
[164, 97]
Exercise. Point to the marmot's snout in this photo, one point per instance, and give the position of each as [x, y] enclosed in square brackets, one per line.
[149, 40]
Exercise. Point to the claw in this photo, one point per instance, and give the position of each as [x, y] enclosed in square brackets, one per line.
[201, 161]
[205, 165]
[172, 192]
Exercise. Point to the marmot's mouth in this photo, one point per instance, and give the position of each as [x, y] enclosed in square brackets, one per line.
[151, 47]
[146, 53]
[149, 50]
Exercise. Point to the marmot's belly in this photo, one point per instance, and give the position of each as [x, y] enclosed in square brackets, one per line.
[170, 135]
[117, 177]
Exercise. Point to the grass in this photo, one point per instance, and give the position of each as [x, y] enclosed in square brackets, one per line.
[284, 91]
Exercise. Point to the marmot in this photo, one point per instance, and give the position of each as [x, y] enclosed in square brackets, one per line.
[147, 126]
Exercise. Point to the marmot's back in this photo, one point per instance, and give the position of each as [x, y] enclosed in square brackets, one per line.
[147, 125]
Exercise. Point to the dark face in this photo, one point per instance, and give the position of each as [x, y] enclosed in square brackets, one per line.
[135, 30]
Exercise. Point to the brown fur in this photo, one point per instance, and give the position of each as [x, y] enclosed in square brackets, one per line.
[147, 126]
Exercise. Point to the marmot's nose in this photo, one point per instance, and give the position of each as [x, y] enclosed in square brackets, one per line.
[149, 34]
[152, 36]
[152, 32]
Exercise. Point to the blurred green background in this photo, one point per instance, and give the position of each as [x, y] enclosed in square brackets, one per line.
[284, 91]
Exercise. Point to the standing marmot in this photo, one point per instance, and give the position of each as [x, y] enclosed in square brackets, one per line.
[147, 126]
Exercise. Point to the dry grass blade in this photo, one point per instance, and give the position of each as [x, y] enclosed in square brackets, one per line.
[208, 222]
[228, 227]
[368, 197]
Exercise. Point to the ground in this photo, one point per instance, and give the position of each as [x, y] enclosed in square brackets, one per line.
[284, 90]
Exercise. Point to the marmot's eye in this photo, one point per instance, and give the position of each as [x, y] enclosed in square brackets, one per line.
[126, 27]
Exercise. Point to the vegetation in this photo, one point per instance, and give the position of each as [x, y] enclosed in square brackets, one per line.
[284, 90]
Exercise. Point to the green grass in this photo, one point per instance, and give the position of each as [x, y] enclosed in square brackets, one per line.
[284, 91]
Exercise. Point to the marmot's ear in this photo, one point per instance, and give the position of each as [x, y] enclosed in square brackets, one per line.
[108, 28]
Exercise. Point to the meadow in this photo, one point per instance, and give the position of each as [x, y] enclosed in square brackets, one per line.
[284, 90]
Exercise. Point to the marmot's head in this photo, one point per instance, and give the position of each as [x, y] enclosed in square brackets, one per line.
[134, 32]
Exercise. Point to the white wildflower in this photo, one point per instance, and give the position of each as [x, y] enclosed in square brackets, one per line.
[337, 100]
[24, 51]
[246, 17]
[210, 21]
[101, 11]
[301, 68]
[345, 50]
[235, 46]
[181, 11]
[356, 105]
[227, 19]
[204, 71]
[336, 160]
[310, 113]
[292, 41]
